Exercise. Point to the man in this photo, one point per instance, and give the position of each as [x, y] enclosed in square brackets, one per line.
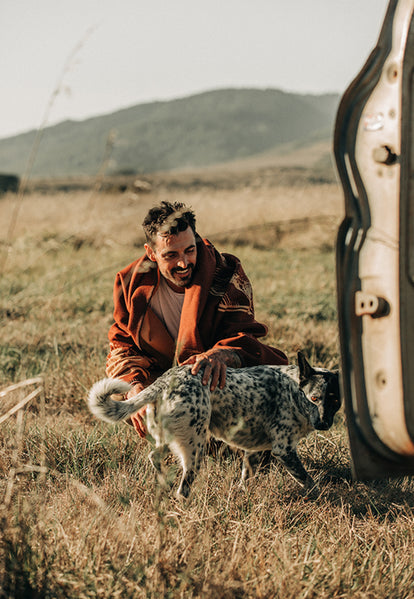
[182, 303]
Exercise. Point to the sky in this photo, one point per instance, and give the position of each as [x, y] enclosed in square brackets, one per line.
[72, 59]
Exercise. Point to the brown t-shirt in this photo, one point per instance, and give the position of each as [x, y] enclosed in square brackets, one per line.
[167, 305]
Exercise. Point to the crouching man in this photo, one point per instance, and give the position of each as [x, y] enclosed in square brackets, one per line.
[183, 302]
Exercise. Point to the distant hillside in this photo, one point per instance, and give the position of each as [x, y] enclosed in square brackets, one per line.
[208, 128]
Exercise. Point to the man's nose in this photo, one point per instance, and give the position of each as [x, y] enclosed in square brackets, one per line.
[182, 262]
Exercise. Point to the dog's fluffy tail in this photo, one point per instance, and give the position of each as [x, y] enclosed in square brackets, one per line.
[104, 407]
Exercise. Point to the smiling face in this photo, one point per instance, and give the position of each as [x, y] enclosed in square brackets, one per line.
[176, 257]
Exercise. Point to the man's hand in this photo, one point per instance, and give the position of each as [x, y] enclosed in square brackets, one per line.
[137, 420]
[215, 363]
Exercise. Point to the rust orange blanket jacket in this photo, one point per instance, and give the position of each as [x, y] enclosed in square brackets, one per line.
[217, 312]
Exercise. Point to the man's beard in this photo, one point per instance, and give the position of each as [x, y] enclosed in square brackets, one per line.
[184, 282]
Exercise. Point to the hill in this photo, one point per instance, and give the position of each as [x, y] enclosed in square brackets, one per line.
[209, 128]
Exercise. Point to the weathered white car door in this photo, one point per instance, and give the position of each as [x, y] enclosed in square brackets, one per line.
[374, 152]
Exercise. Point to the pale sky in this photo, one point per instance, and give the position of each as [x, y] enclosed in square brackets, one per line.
[128, 52]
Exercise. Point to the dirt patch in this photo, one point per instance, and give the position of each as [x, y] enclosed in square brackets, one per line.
[318, 231]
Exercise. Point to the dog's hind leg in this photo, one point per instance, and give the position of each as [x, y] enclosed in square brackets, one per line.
[186, 482]
[249, 465]
[190, 453]
[157, 456]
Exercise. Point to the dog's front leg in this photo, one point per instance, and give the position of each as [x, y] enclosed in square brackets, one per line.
[292, 463]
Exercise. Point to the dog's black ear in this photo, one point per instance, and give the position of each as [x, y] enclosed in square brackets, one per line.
[305, 369]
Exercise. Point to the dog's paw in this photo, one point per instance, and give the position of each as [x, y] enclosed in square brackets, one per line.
[243, 484]
[311, 491]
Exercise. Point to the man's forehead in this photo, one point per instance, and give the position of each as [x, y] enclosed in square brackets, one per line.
[170, 242]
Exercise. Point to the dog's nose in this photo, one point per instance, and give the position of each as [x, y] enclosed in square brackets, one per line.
[322, 426]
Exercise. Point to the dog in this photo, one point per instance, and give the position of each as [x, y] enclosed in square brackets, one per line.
[259, 408]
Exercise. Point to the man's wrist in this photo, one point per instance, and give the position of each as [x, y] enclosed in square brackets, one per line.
[237, 361]
[231, 358]
[135, 389]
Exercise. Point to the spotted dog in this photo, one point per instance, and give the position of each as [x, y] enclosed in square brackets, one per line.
[259, 408]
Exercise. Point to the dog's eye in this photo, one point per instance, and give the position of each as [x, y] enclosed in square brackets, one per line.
[314, 398]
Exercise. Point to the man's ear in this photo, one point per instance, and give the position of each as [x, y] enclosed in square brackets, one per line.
[150, 252]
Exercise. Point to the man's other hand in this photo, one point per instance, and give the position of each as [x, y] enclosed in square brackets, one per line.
[215, 363]
[137, 420]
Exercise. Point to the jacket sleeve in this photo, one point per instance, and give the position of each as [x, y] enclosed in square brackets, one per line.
[125, 359]
[238, 327]
[251, 351]
[131, 365]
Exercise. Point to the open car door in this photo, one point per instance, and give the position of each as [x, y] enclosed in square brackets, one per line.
[374, 153]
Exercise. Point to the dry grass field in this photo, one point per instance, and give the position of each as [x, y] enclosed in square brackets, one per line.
[81, 513]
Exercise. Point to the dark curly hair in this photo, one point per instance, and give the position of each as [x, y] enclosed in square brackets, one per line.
[168, 219]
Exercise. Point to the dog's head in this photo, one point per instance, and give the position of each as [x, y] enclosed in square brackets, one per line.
[321, 388]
